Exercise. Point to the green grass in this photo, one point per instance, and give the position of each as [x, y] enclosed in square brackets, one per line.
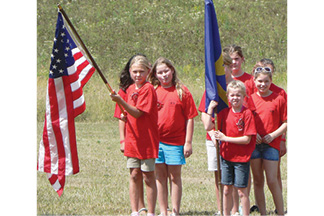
[115, 30]
[101, 187]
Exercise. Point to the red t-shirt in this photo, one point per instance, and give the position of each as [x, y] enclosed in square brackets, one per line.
[173, 114]
[142, 137]
[237, 125]
[245, 78]
[117, 109]
[269, 113]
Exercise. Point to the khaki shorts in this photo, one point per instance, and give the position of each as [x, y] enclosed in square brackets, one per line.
[147, 165]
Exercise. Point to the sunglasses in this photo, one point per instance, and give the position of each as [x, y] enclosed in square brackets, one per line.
[262, 69]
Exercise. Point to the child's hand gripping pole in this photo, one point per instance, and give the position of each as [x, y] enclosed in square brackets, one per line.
[113, 92]
[212, 134]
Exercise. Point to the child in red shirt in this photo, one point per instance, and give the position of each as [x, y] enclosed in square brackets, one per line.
[176, 110]
[270, 110]
[237, 56]
[209, 124]
[276, 89]
[237, 135]
[125, 82]
[142, 138]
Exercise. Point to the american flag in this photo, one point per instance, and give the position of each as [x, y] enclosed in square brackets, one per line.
[69, 72]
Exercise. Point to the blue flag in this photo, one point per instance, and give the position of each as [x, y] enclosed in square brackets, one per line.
[215, 82]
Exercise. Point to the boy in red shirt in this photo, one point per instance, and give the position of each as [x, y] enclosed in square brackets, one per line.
[236, 54]
[237, 135]
[142, 138]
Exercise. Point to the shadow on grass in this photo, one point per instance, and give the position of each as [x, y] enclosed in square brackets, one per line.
[198, 213]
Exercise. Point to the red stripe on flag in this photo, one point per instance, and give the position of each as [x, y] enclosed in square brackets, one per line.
[72, 140]
[56, 127]
[87, 77]
[78, 93]
[79, 110]
[81, 67]
[52, 179]
[77, 55]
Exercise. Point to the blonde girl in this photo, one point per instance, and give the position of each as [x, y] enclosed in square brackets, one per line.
[141, 141]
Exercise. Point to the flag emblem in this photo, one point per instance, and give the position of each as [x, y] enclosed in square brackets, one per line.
[215, 82]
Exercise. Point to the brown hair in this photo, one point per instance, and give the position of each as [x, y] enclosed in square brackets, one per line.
[226, 58]
[175, 81]
[263, 63]
[233, 49]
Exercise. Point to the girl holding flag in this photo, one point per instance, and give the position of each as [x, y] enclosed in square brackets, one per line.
[142, 138]
[125, 82]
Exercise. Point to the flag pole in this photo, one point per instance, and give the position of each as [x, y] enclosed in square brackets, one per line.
[88, 53]
[219, 175]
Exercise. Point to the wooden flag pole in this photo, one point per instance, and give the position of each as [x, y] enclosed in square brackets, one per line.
[216, 143]
[219, 175]
[88, 53]
[220, 188]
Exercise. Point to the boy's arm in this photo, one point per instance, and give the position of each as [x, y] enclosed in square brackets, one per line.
[243, 140]
[187, 149]
[271, 136]
[133, 111]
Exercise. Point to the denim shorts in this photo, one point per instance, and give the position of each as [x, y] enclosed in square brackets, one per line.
[170, 155]
[234, 173]
[265, 151]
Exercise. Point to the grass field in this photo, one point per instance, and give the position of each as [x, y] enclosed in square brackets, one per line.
[172, 28]
[115, 30]
[101, 187]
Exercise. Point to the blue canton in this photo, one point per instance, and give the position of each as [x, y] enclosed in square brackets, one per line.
[61, 57]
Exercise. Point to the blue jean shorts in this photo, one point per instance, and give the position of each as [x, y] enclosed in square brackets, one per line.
[234, 173]
[170, 155]
[265, 151]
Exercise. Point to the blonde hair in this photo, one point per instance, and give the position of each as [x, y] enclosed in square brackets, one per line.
[140, 60]
[236, 84]
[175, 81]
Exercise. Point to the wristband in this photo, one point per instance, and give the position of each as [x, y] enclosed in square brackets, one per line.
[283, 139]
[121, 141]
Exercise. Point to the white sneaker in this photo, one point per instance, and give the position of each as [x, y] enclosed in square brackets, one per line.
[218, 213]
